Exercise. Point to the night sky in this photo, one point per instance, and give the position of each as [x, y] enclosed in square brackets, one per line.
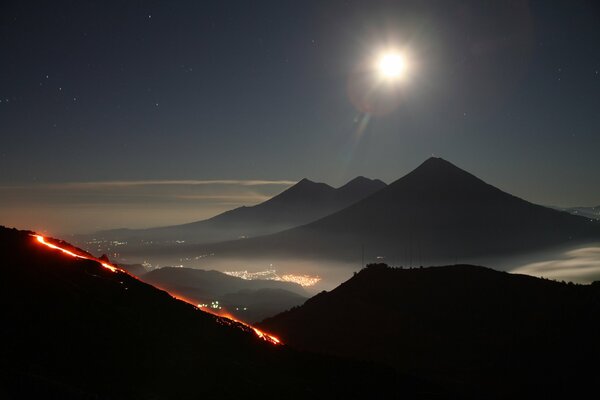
[99, 97]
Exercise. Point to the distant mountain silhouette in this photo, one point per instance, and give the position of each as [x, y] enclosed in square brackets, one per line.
[437, 213]
[302, 203]
[247, 300]
[487, 334]
[75, 330]
[587, 212]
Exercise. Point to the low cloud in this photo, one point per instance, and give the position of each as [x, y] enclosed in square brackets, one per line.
[576, 265]
[88, 206]
[189, 182]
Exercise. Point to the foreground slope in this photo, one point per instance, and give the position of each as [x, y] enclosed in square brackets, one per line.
[437, 213]
[485, 333]
[73, 329]
[304, 202]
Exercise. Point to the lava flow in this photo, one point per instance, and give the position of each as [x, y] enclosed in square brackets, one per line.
[224, 315]
[42, 240]
[264, 336]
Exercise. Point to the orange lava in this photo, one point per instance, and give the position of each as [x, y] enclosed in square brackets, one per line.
[263, 335]
[42, 240]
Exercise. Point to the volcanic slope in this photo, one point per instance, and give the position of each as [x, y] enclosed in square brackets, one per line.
[247, 300]
[74, 329]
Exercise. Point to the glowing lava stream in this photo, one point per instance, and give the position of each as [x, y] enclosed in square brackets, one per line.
[264, 336]
[42, 240]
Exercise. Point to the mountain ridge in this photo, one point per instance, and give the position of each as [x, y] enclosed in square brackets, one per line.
[437, 210]
[304, 202]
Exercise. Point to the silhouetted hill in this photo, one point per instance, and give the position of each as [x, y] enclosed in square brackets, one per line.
[302, 203]
[261, 298]
[487, 334]
[72, 329]
[436, 213]
[256, 305]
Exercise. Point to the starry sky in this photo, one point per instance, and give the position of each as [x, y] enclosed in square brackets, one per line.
[154, 112]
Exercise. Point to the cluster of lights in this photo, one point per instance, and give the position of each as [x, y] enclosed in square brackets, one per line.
[216, 306]
[302, 280]
[148, 266]
[271, 274]
[105, 246]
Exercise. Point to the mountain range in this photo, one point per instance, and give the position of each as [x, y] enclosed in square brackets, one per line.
[302, 203]
[483, 333]
[437, 213]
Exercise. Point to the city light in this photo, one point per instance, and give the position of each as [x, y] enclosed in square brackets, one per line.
[271, 274]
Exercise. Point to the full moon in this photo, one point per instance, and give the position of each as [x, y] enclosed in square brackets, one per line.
[391, 65]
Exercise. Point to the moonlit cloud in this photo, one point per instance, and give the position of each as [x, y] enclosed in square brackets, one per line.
[233, 198]
[191, 182]
[577, 265]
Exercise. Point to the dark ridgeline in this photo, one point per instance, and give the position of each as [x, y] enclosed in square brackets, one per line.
[134, 269]
[261, 298]
[255, 305]
[438, 213]
[588, 212]
[304, 202]
[484, 333]
[74, 330]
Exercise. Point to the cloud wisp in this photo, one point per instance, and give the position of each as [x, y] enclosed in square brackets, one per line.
[165, 182]
[88, 206]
